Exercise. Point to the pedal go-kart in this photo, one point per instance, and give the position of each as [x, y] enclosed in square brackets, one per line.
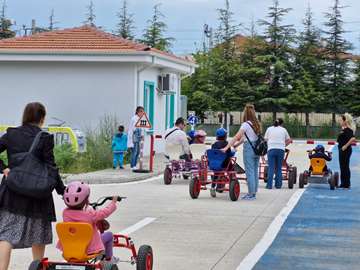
[289, 171]
[318, 173]
[211, 172]
[75, 238]
[176, 167]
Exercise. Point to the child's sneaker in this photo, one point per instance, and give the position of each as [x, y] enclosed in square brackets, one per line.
[213, 192]
[122, 168]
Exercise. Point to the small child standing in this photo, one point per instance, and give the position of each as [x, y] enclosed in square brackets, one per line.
[119, 148]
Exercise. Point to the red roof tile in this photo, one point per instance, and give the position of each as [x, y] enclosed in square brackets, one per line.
[85, 39]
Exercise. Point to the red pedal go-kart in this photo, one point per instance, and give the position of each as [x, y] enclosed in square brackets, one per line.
[289, 172]
[211, 172]
[75, 238]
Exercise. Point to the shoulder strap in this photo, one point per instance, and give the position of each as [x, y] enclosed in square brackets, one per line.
[250, 124]
[249, 141]
[36, 141]
[167, 135]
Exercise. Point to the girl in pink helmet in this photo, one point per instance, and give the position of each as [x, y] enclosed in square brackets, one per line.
[76, 198]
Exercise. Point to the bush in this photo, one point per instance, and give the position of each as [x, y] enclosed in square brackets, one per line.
[65, 157]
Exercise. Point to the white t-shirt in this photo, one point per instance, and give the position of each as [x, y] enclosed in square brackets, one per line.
[249, 131]
[131, 130]
[179, 137]
[276, 137]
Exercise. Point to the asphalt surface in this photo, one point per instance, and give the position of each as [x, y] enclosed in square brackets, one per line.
[322, 232]
[207, 233]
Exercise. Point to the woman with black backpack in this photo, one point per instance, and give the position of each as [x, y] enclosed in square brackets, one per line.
[25, 220]
[248, 134]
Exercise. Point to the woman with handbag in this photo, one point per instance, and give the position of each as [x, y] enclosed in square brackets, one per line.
[249, 134]
[25, 221]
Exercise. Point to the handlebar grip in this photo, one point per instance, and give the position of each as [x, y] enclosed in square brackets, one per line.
[119, 199]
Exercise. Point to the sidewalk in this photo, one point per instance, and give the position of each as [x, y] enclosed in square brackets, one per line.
[322, 232]
[110, 176]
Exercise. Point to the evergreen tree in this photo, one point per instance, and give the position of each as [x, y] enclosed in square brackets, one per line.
[5, 24]
[154, 34]
[125, 26]
[278, 55]
[337, 69]
[309, 69]
[90, 15]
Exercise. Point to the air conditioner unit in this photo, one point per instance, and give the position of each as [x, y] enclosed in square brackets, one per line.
[164, 83]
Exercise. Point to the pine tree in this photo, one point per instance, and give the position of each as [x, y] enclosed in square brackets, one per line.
[309, 68]
[337, 68]
[90, 15]
[5, 24]
[278, 56]
[154, 34]
[125, 26]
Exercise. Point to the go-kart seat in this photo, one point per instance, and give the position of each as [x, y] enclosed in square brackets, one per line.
[173, 151]
[216, 159]
[317, 166]
[197, 151]
[75, 238]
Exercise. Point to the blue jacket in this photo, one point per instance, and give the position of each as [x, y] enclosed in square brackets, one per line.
[119, 143]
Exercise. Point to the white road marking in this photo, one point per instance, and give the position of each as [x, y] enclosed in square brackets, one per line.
[258, 251]
[138, 226]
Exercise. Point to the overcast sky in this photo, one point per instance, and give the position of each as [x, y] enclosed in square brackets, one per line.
[185, 18]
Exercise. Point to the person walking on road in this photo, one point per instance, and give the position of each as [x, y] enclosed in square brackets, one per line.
[248, 133]
[277, 138]
[345, 139]
[26, 221]
[134, 137]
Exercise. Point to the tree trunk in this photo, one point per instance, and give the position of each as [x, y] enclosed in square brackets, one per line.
[333, 123]
[274, 116]
[307, 125]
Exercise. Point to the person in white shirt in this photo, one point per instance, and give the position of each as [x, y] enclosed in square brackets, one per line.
[248, 133]
[177, 136]
[277, 138]
[134, 137]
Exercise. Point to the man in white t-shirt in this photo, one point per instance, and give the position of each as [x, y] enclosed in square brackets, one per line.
[277, 138]
[177, 136]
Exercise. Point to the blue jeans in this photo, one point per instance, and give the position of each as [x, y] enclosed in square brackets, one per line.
[135, 151]
[275, 160]
[118, 159]
[251, 162]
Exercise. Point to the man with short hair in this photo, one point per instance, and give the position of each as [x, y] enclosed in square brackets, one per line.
[134, 136]
[177, 136]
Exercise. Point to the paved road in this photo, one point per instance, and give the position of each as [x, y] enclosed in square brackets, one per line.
[189, 234]
[323, 230]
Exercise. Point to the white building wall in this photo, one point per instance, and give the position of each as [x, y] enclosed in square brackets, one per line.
[78, 93]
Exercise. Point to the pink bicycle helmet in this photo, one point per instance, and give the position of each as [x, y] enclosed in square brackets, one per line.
[76, 193]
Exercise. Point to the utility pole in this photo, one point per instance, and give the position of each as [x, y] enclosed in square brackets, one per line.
[208, 38]
[51, 20]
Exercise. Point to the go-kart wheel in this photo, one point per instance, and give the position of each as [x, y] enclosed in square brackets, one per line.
[145, 258]
[301, 180]
[295, 173]
[194, 188]
[266, 170]
[185, 176]
[167, 176]
[332, 182]
[35, 265]
[337, 178]
[292, 179]
[306, 177]
[234, 190]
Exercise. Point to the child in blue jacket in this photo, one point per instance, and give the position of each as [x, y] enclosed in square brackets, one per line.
[119, 147]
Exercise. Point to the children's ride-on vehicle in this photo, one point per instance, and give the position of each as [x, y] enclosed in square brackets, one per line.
[212, 172]
[75, 237]
[289, 172]
[318, 173]
[176, 167]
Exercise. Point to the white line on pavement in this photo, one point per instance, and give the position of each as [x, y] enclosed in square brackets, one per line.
[138, 226]
[258, 251]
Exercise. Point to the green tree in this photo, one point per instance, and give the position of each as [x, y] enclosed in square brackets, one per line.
[278, 54]
[90, 15]
[154, 34]
[5, 24]
[337, 68]
[125, 27]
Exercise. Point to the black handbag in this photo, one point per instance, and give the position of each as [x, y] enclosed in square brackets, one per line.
[261, 147]
[31, 176]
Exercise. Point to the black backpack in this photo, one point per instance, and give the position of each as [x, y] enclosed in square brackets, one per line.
[261, 147]
[31, 176]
